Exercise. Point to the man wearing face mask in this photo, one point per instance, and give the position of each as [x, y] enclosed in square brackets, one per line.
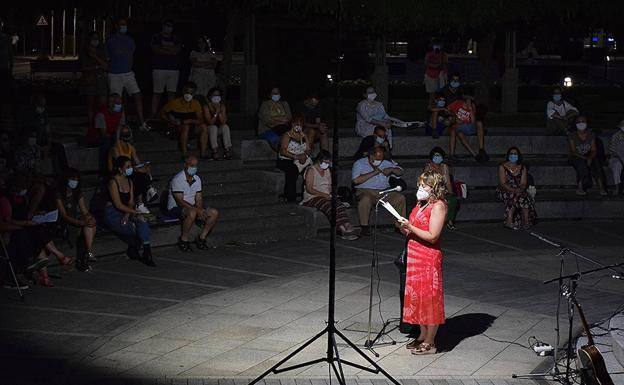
[616, 158]
[165, 64]
[371, 113]
[314, 126]
[560, 114]
[454, 90]
[274, 117]
[93, 82]
[583, 151]
[120, 50]
[436, 63]
[371, 175]
[186, 203]
[183, 114]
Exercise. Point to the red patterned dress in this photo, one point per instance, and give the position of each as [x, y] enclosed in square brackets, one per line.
[424, 294]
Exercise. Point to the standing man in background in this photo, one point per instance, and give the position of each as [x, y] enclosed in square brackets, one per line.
[436, 63]
[165, 64]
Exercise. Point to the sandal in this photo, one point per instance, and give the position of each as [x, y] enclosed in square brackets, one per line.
[201, 244]
[450, 226]
[215, 155]
[65, 260]
[184, 246]
[44, 280]
[227, 154]
[425, 348]
[414, 344]
[511, 227]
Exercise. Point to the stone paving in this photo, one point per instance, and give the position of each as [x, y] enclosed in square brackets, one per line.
[233, 312]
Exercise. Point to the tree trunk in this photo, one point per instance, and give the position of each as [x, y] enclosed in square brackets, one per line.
[380, 74]
[233, 18]
[485, 53]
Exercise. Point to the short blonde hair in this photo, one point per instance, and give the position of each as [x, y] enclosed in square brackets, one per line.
[436, 181]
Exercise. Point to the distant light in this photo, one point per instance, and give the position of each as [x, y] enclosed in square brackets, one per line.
[469, 52]
[610, 39]
[608, 58]
[595, 39]
[567, 81]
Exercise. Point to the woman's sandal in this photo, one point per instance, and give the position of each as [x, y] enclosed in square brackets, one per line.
[44, 280]
[184, 246]
[66, 261]
[425, 348]
[414, 344]
[511, 227]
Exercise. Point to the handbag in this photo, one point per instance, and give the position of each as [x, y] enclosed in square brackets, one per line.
[401, 260]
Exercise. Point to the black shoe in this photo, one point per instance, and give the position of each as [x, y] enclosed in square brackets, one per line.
[10, 283]
[147, 258]
[133, 253]
[184, 246]
[366, 231]
[201, 244]
[482, 156]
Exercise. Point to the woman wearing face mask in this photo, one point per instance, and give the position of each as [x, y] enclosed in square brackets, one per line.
[371, 113]
[141, 178]
[317, 194]
[436, 164]
[121, 217]
[293, 156]
[93, 82]
[424, 294]
[582, 157]
[274, 117]
[203, 64]
[441, 118]
[74, 214]
[216, 118]
[512, 191]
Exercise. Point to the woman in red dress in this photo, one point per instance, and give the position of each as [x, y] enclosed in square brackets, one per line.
[424, 295]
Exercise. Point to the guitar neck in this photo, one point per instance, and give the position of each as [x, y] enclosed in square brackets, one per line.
[590, 339]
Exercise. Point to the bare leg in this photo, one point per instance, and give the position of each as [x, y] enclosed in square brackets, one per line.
[203, 139]
[510, 217]
[452, 140]
[138, 100]
[184, 131]
[156, 102]
[187, 224]
[432, 330]
[324, 140]
[37, 191]
[51, 247]
[213, 215]
[464, 142]
[89, 236]
[423, 333]
[481, 135]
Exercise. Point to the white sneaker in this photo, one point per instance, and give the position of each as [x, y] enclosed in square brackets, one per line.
[152, 194]
[142, 209]
[144, 127]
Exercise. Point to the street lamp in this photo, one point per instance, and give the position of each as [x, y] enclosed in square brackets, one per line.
[567, 81]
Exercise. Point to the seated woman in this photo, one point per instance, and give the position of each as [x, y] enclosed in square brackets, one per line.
[274, 118]
[142, 178]
[215, 115]
[512, 190]
[440, 118]
[583, 158]
[74, 213]
[120, 215]
[317, 194]
[436, 163]
[293, 157]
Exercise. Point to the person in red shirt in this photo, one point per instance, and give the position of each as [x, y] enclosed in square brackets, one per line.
[464, 112]
[436, 63]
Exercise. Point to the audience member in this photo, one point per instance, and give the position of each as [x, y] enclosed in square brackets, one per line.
[121, 217]
[436, 163]
[120, 50]
[75, 216]
[186, 203]
[274, 118]
[453, 91]
[215, 115]
[293, 157]
[317, 194]
[378, 138]
[182, 114]
[141, 175]
[28, 170]
[465, 124]
[616, 158]
[512, 191]
[314, 127]
[93, 82]
[371, 175]
[370, 114]
[101, 133]
[165, 64]
[440, 119]
[436, 73]
[583, 158]
[203, 64]
[560, 115]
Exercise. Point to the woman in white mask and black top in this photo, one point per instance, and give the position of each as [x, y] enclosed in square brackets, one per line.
[215, 115]
[583, 158]
[294, 153]
[317, 194]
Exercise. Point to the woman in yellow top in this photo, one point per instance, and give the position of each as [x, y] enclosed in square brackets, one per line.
[142, 179]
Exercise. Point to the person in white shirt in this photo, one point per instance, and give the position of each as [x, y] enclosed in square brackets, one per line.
[560, 115]
[185, 202]
[616, 158]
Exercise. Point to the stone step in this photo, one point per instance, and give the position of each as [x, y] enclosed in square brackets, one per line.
[616, 325]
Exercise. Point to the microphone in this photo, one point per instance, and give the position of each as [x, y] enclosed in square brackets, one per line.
[397, 189]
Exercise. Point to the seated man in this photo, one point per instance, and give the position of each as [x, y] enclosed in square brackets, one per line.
[560, 115]
[379, 138]
[182, 114]
[313, 125]
[464, 112]
[185, 202]
[371, 175]
[453, 91]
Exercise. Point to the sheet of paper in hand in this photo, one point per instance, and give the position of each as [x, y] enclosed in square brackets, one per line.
[392, 211]
[49, 217]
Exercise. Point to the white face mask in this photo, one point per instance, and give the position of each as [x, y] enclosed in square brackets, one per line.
[422, 194]
[372, 96]
[188, 97]
[276, 98]
[216, 99]
[581, 126]
[380, 140]
[376, 163]
[72, 183]
[123, 29]
[324, 166]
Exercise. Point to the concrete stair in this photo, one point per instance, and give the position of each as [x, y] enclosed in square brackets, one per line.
[616, 326]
